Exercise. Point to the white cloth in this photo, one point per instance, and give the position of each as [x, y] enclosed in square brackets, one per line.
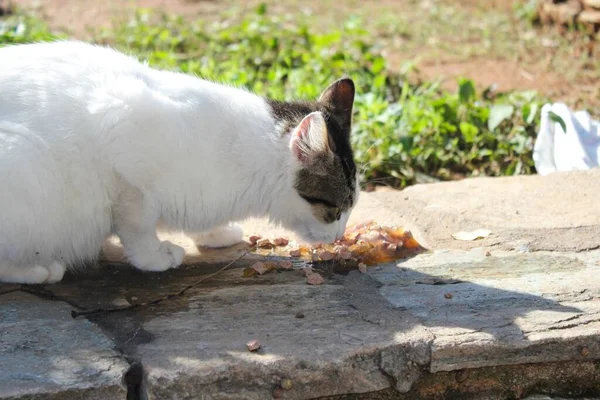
[576, 149]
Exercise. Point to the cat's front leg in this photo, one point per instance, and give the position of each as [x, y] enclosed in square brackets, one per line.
[135, 219]
[223, 236]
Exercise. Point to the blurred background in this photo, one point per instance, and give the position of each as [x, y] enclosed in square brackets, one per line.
[446, 89]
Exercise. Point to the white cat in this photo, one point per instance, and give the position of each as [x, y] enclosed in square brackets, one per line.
[92, 142]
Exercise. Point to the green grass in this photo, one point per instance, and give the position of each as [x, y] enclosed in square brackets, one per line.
[403, 133]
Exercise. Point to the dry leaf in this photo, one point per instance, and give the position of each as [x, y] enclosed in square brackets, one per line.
[307, 271]
[314, 279]
[473, 235]
[362, 267]
[326, 255]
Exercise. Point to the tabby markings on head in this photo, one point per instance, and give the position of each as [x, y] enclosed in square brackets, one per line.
[327, 177]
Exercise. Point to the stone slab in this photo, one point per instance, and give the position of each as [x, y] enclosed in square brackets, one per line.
[441, 311]
[340, 337]
[558, 212]
[45, 354]
[527, 296]
[500, 308]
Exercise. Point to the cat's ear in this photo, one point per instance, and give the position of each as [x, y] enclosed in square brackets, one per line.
[339, 98]
[310, 139]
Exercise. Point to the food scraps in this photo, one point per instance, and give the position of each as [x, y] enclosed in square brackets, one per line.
[314, 279]
[364, 244]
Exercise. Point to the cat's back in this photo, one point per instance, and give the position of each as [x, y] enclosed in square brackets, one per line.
[68, 56]
[32, 73]
[61, 81]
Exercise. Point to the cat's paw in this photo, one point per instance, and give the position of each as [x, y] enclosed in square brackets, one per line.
[166, 257]
[32, 274]
[224, 236]
[29, 275]
[56, 271]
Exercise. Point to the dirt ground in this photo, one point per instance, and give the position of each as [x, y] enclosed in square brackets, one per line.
[507, 65]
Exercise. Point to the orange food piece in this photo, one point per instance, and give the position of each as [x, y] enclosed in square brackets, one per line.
[295, 253]
[264, 243]
[371, 243]
[260, 268]
[254, 238]
[314, 279]
[326, 255]
[280, 241]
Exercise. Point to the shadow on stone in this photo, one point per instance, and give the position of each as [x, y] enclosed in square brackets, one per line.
[360, 332]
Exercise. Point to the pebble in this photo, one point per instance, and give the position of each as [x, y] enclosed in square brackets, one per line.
[253, 345]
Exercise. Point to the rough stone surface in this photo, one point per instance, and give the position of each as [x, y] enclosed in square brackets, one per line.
[505, 316]
[45, 354]
[559, 212]
[503, 309]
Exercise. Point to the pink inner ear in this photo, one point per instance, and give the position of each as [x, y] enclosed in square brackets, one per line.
[299, 141]
[296, 148]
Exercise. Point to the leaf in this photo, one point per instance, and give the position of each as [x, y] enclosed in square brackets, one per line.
[473, 235]
[466, 90]
[261, 9]
[529, 112]
[469, 131]
[556, 118]
[498, 113]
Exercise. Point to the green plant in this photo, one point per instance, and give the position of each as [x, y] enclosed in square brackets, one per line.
[23, 29]
[526, 10]
[402, 131]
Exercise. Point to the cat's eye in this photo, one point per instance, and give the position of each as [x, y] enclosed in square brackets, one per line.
[314, 200]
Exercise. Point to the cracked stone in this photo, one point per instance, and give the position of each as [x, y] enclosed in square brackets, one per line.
[45, 354]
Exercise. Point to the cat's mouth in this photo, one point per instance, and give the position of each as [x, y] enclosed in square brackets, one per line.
[315, 239]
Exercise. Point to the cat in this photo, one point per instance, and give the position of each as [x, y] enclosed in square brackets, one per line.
[94, 143]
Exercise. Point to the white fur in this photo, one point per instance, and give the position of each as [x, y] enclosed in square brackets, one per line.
[220, 237]
[92, 142]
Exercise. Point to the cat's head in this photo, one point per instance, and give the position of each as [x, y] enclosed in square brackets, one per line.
[325, 180]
